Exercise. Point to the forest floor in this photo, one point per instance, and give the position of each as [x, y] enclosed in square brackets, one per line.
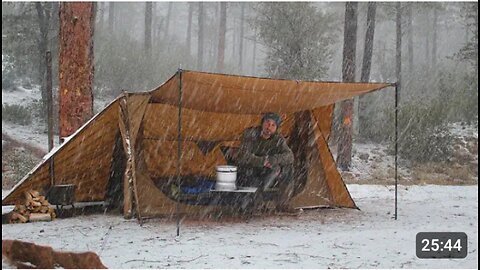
[373, 164]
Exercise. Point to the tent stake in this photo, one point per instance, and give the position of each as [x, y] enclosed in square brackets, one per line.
[396, 148]
[179, 150]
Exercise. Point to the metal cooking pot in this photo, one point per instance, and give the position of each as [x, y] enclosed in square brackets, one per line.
[226, 177]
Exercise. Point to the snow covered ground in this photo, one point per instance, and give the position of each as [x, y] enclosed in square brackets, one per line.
[21, 95]
[35, 133]
[326, 238]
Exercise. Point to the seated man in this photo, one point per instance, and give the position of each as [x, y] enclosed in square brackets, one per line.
[265, 160]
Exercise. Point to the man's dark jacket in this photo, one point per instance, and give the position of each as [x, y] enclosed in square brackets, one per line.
[254, 149]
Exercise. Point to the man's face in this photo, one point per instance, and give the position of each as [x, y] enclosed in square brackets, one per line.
[269, 127]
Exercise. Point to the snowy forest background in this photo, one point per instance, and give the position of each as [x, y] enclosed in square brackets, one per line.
[439, 58]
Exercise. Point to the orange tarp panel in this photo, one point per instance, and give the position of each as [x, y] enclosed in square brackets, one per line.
[201, 125]
[250, 95]
[84, 160]
[337, 187]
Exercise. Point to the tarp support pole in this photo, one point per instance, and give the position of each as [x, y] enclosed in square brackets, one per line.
[179, 150]
[127, 177]
[396, 149]
[48, 58]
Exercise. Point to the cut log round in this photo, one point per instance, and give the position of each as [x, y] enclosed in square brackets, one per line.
[28, 196]
[40, 217]
[18, 217]
[35, 193]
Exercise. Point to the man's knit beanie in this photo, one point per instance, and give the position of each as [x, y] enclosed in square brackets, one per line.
[273, 116]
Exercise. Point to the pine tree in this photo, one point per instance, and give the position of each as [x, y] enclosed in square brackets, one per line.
[75, 65]
[344, 158]
[299, 39]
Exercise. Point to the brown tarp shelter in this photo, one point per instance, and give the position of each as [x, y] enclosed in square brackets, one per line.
[141, 141]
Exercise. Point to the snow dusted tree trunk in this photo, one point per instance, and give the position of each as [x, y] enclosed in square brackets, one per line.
[344, 158]
[189, 27]
[200, 36]
[367, 61]
[475, 15]
[75, 65]
[398, 58]
[148, 29]
[369, 36]
[221, 37]
[242, 22]
[49, 101]
[43, 22]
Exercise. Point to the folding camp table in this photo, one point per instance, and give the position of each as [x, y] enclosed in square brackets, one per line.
[242, 197]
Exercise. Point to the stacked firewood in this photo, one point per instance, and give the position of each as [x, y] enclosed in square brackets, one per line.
[35, 208]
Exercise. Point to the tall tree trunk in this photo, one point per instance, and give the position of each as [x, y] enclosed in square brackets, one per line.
[398, 58]
[200, 36]
[54, 26]
[369, 36]
[49, 92]
[189, 27]
[148, 29]
[434, 38]
[367, 63]
[344, 158]
[43, 15]
[411, 67]
[169, 17]
[75, 65]
[475, 10]
[242, 20]
[221, 36]
[111, 17]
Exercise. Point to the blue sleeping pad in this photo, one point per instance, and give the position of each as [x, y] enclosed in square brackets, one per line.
[201, 187]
